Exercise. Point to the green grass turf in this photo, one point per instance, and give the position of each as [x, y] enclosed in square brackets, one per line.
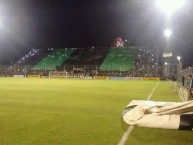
[77, 112]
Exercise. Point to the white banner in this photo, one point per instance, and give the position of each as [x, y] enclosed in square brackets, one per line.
[18, 76]
[167, 54]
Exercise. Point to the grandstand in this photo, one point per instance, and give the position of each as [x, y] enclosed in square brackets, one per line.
[53, 60]
[85, 61]
[147, 62]
[89, 56]
[24, 65]
[33, 56]
[118, 60]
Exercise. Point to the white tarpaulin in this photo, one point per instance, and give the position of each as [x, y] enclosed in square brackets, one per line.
[167, 115]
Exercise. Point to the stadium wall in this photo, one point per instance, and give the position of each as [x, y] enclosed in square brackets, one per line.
[182, 91]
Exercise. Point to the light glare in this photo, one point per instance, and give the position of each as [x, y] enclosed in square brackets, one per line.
[169, 6]
[179, 58]
[167, 33]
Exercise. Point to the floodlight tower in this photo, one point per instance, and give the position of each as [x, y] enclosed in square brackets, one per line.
[179, 68]
[179, 58]
[169, 7]
[168, 54]
[168, 35]
[165, 69]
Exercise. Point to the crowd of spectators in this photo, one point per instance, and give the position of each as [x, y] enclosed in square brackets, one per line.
[88, 56]
[147, 62]
[87, 62]
[25, 63]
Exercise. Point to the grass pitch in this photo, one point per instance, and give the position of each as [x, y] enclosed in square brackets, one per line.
[78, 112]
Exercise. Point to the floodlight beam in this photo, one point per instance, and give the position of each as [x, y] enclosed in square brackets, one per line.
[169, 7]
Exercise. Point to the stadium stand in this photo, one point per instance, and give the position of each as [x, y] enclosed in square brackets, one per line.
[33, 57]
[146, 62]
[26, 62]
[118, 59]
[85, 61]
[53, 60]
[116, 62]
[89, 56]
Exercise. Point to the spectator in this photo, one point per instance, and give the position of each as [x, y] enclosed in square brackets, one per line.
[191, 85]
[183, 79]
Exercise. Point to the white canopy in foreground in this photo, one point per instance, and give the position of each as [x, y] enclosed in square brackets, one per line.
[166, 115]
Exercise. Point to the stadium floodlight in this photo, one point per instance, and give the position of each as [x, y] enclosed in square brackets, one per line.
[169, 6]
[179, 58]
[167, 33]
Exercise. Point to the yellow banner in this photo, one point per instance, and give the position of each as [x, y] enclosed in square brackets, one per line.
[150, 78]
[33, 76]
[101, 78]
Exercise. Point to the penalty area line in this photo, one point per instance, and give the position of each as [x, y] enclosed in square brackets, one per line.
[129, 130]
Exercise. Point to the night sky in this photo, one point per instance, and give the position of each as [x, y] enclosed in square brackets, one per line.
[45, 24]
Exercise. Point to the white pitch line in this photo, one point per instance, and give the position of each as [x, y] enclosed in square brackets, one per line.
[152, 91]
[129, 130]
[126, 135]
